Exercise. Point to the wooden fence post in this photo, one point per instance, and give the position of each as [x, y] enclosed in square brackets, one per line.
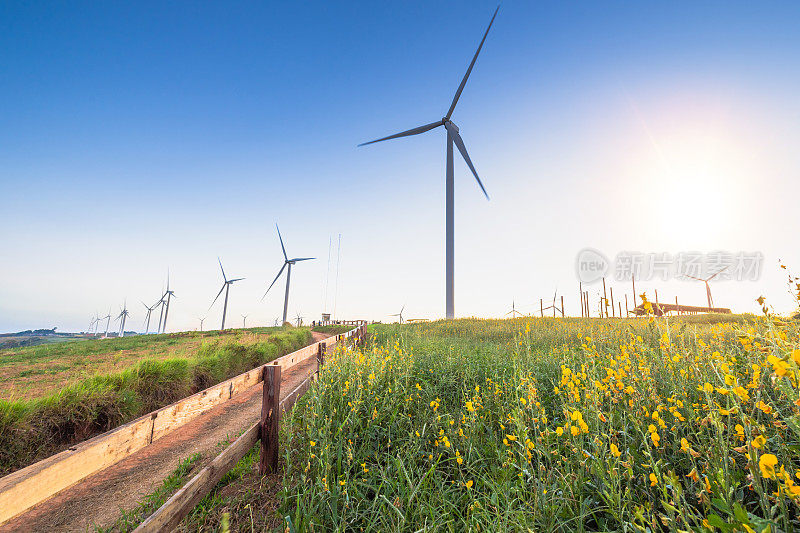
[321, 356]
[541, 307]
[562, 306]
[268, 461]
[627, 314]
[604, 307]
[613, 310]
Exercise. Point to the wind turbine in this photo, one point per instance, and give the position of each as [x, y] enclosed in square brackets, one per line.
[286, 262]
[513, 311]
[708, 287]
[244, 321]
[299, 320]
[452, 137]
[226, 286]
[123, 314]
[400, 314]
[108, 322]
[201, 322]
[149, 312]
[169, 294]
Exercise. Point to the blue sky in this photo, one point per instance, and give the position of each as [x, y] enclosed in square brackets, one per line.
[141, 137]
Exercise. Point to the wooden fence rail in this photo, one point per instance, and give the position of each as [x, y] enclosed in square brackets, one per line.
[21, 490]
[169, 515]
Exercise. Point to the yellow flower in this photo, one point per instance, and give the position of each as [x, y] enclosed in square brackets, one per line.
[559, 431]
[653, 480]
[575, 431]
[767, 465]
[615, 451]
[655, 438]
[468, 484]
[470, 407]
[759, 442]
[511, 437]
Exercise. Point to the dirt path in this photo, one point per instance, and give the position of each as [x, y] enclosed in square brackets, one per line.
[98, 499]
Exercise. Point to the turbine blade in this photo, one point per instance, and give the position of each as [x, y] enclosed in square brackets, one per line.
[215, 299]
[220, 267]
[718, 273]
[469, 70]
[413, 131]
[301, 259]
[285, 257]
[698, 279]
[274, 280]
[463, 149]
[237, 279]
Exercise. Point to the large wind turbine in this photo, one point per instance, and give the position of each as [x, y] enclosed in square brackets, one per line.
[452, 137]
[708, 287]
[286, 262]
[513, 311]
[226, 286]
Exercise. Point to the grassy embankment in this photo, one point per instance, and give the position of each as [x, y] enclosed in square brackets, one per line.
[147, 373]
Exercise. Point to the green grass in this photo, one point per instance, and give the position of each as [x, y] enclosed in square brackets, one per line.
[333, 329]
[33, 429]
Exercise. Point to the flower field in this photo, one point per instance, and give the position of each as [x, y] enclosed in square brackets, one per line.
[552, 425]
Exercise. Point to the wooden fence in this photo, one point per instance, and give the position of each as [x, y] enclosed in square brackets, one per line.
[21, 490]
[169, 515]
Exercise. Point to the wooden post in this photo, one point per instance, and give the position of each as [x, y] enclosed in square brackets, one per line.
[627, 313]
[586, 303]
[677, 307]
[580, 289]
[321, 356]
[619, 304]
[605, 300]
[657, 307]
[613, 311]
[541, 307]
[268, 461]
[562, 306]
[633, 282]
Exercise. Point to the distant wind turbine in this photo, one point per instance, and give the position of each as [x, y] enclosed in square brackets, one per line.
[708, 287]
[149, 312]
[169, 295]
[400, 314]
[452, 137]
[107, 318]
[553, 305]
[201, 322]
[123, 314]
[244, 321]
[513, 311]
[286, 262]
[226, 286]
[299, 320]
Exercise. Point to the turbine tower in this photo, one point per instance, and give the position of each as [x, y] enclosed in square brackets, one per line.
[226, 286]
[708, 287]
[452, 137]
[286, 262]
[244, 321]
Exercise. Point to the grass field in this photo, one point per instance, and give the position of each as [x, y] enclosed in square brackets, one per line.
[33, 372]
[60, 394]
[552, 425]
